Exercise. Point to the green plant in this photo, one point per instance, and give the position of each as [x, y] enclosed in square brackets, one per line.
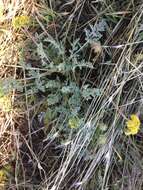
[65, 97]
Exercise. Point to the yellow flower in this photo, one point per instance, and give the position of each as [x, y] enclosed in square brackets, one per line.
[5, 103]
[1, 9]
[4, 174]
[21, 21]
[73, 122]
[133, 125]
[3, 177]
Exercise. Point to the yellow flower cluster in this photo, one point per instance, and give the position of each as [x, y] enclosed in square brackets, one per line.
[21, 21]
[133, 125]
[74, 122]
[4, 173]
[5, 103]
[2, 178]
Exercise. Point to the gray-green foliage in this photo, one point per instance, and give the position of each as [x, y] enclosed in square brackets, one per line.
[94, 33]
[65, 96]
[8, 85]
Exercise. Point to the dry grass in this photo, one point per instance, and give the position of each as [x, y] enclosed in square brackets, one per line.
[98, 155]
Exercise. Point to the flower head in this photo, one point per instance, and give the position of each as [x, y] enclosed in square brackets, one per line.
[5, 103]
[133, 125]
[74, 122]
[21, 21]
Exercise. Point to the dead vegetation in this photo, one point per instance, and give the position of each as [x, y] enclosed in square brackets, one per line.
[70, 78]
